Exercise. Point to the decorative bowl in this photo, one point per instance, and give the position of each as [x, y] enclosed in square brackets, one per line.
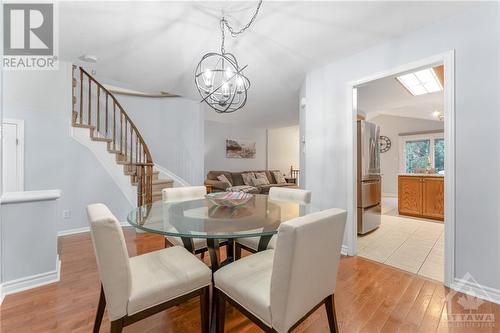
[229, 199]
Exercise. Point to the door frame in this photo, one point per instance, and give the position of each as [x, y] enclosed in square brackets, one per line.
[448, 60]
[20, 148]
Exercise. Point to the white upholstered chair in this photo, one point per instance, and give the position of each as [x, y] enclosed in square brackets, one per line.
[279, 288]
[251, 244]
[138, 287]
[176, 194]
[302, 197]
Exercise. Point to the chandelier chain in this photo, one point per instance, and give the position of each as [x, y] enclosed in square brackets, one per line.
[225, 24]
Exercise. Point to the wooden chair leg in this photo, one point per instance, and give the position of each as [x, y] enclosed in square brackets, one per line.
[202, 255]
[237, 251]
[100, 311]
[330, 312]
[220, 305]
[117, 326]
[205, 310]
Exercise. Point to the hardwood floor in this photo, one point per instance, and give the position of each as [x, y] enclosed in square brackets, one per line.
[370, 297]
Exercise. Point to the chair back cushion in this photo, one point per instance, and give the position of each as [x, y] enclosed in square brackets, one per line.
[302, 197]
[112, 259]
[305, 265]
[183, 193]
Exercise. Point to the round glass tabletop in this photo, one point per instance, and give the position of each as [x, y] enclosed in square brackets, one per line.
[200, 218]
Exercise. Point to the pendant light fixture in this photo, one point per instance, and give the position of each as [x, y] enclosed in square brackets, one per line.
[219, 78]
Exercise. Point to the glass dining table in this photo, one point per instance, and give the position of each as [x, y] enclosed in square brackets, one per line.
[259, 217]
[200, 218]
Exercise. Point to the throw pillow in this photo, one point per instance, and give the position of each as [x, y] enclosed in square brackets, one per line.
[280, 179]
[243, 188]
[260, 181]
[224, 179]
[247, 178]
[262, 175]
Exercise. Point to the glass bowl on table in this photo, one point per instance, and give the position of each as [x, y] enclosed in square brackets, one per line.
[229, 199]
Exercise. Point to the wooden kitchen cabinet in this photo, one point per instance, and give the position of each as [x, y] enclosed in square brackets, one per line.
[410, 195]
[421, 196]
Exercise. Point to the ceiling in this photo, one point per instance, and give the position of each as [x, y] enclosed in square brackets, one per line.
[155, 46]
[388, 96]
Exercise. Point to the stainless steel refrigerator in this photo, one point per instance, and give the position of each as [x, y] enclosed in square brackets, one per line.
[369, 177]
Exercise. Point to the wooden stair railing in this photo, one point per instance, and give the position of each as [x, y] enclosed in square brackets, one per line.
[97, 109]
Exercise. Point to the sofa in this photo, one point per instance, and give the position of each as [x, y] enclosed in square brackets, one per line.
[237, 180]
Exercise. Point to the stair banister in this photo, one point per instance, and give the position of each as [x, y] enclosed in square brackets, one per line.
[139, 163]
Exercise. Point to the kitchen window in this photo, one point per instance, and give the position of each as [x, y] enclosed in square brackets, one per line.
[421, 152]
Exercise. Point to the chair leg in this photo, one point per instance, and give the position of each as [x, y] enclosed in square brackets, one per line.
[202, 255]
[237, 251]
[100, 311]
[117, 326]
[330, 312]
[166, 242]
[205, 310]
[220, 305]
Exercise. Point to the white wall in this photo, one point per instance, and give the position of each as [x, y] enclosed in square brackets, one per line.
[1, 156]
[475, 36]
[392, 126]
[302, 130]
[283, 149]
[30, 243]
[173, 129]
[52, 158]
[216, 134]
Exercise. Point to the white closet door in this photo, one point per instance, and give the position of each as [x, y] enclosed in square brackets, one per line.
[10, 161]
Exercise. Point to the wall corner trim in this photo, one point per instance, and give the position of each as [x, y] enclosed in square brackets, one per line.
[476, 290]
[2, 296]
[30, 282]
[82, 230]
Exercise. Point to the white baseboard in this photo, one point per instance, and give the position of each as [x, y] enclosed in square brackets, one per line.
[29, 282]
[389, 195]
[1, 295]
[477, 290]
[344, 250]
[82, 230]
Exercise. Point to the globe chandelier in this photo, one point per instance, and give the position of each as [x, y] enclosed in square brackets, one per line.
[219, 78]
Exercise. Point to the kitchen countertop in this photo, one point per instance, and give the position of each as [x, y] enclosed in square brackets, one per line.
[421, 175]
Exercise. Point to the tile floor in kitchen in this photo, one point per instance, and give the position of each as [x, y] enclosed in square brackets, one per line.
[411, 244]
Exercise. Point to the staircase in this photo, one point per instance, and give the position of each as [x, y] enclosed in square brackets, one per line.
[95, 108]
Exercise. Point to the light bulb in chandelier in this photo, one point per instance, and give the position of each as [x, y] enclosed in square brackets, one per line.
[219, 79]
[228, 73]
[207, 77]
[225, 90]
[240, 85]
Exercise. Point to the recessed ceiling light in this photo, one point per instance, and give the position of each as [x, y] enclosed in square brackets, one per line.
[438, 114]
[421, 82]
[89, 58]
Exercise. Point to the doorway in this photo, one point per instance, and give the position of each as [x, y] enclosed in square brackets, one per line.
[13, 155]
[425, 154]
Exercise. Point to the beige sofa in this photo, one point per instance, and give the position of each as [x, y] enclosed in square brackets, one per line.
[236, 180]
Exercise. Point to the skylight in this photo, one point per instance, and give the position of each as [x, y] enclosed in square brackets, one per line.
[421, 82]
